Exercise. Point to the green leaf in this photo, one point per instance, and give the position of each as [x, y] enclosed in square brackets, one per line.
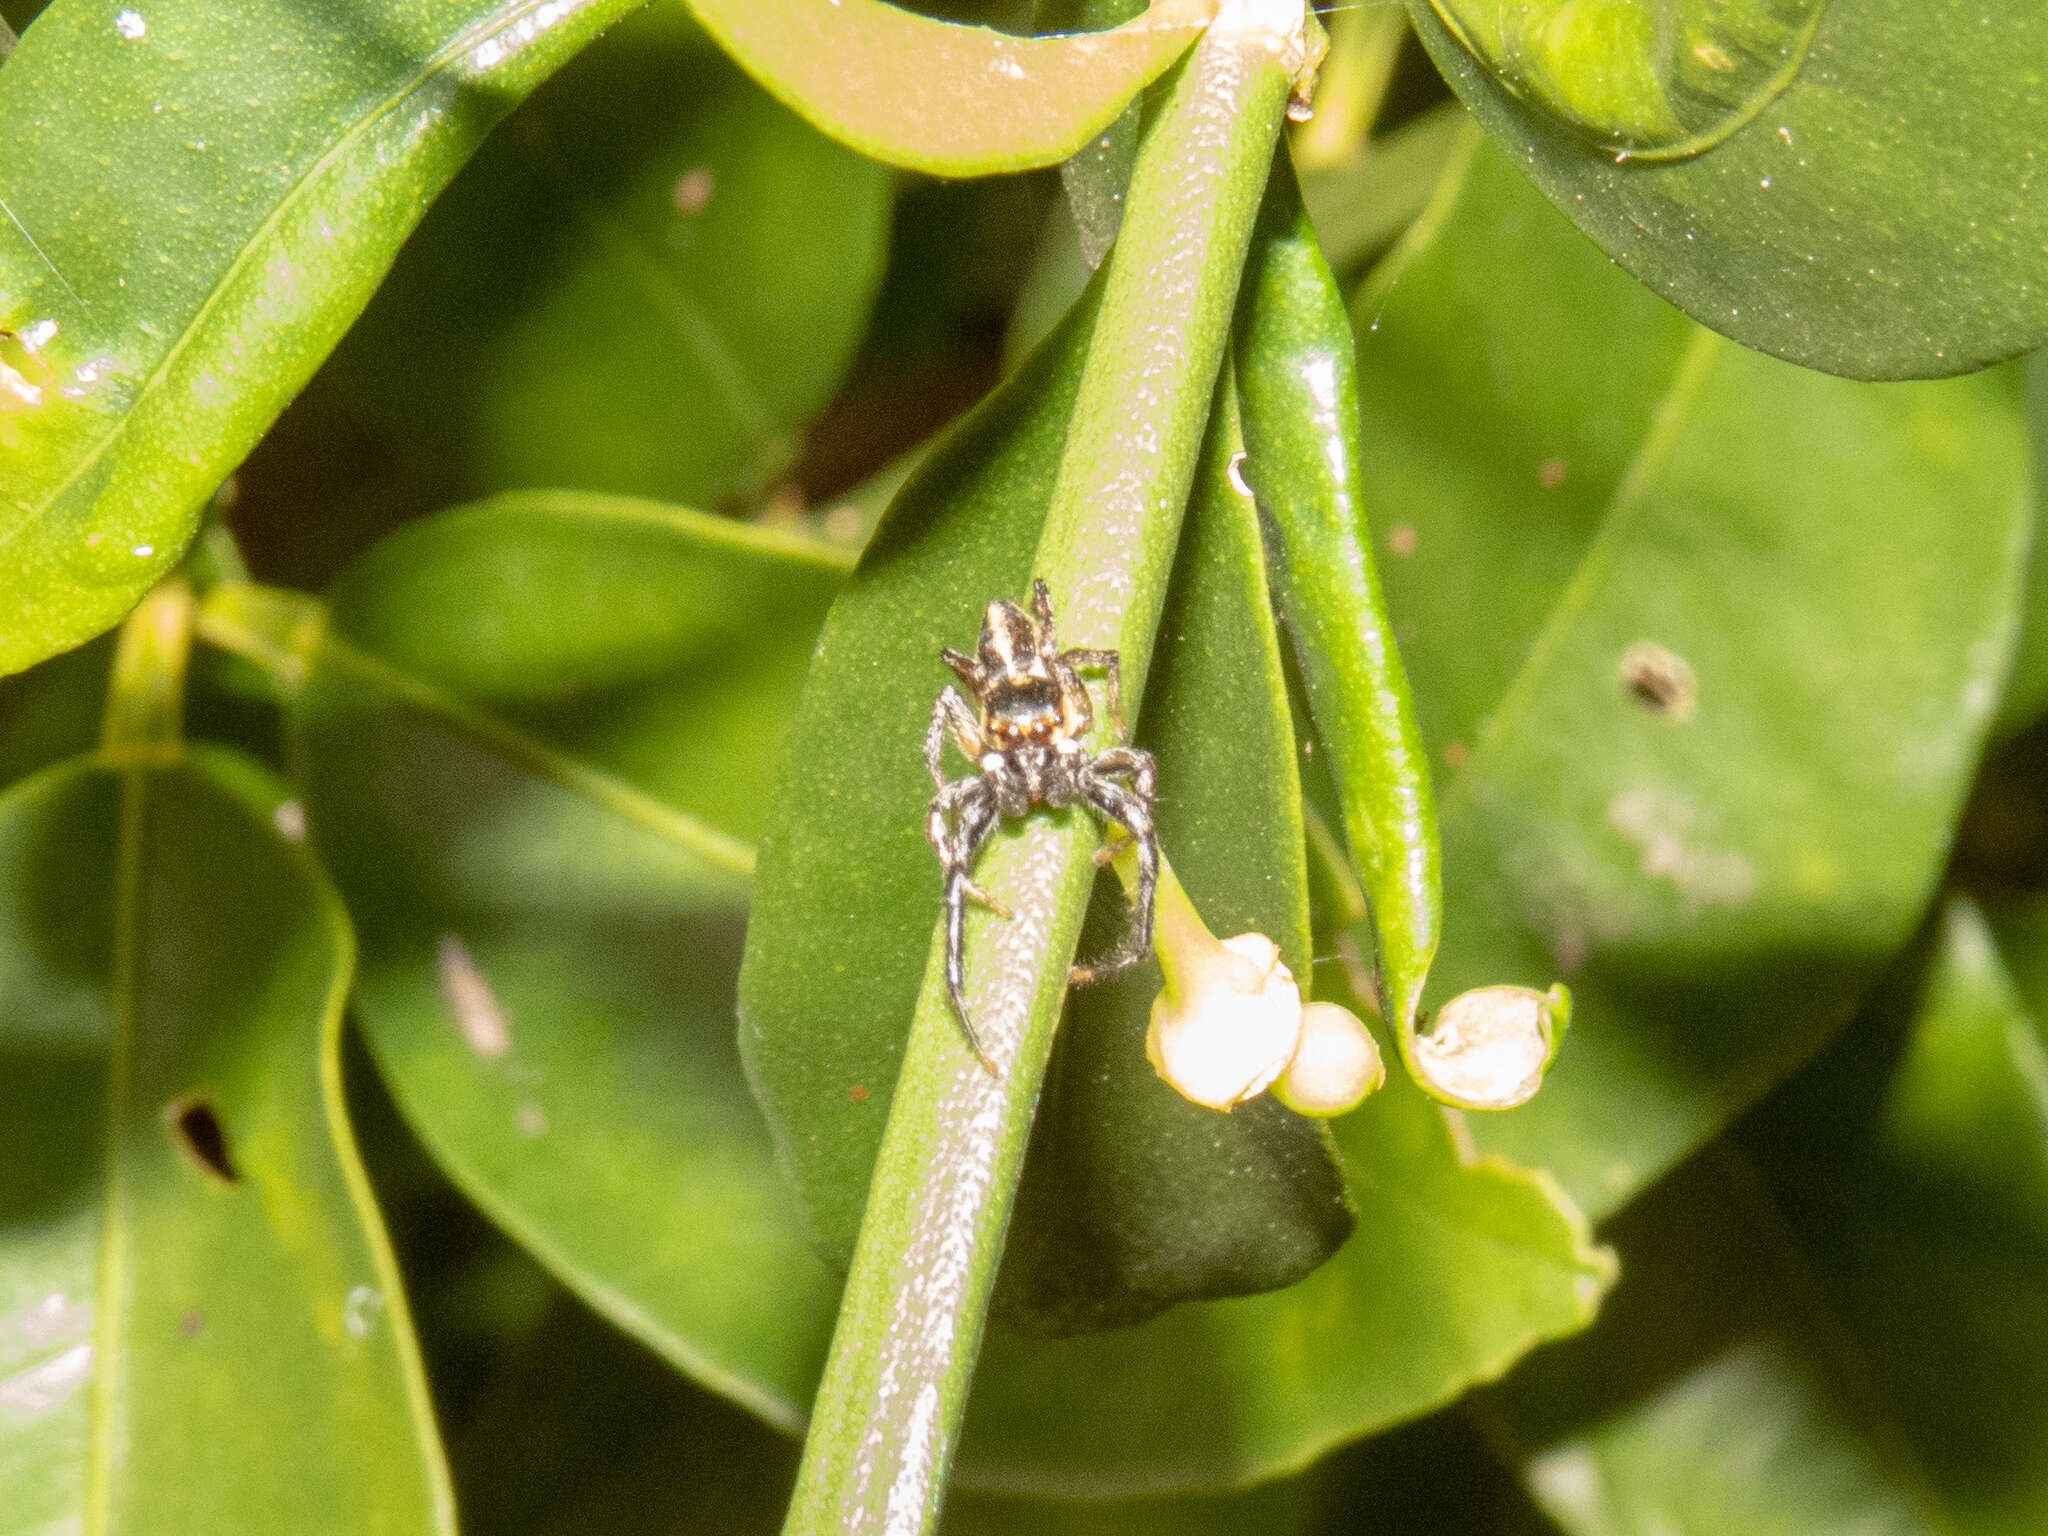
[187, 1242]
[1296, 369]
[578, 1429]
[1860, 203]
[1458, 1267]
[2026, 691]
[535, 742]
[1360, 204]
[1096, 177]
[1721, 638]
[569, 316]
[1849, 1325]
[1290, 1507]
[1132, 1197]
[941, 97]
[1932, 1226]
[1457, 1271]
[1658, 81]
[1716, 1396]
[52, 711]
[1351, 84]
[196, 202]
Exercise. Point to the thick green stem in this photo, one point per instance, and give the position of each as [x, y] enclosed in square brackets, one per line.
[271, 626]
[145, 711]
[887, 1416]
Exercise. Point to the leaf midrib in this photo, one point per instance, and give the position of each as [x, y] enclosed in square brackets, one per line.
[718, 848]
[694, 329]
[1669, 417]
[109, 1311]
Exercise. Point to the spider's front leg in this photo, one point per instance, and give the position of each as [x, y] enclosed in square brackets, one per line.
[1112, 678]
[1129, 806]
[962, 815]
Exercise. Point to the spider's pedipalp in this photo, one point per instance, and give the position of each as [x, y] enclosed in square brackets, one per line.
[950, 713]
[966, 668]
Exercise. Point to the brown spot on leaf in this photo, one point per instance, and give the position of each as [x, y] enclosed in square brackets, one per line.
[197, 1129]
[1659, 680]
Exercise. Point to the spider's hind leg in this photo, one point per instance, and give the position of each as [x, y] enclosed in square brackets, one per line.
[962, 815]
[1129, 806]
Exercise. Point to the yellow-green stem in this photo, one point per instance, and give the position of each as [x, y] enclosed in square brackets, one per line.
[146, 695]
[887, 1416]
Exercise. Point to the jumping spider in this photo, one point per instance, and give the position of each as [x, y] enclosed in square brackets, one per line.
[1026, 743]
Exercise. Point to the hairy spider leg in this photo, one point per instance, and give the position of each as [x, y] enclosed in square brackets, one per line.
[1129, 806]
[966, 668]
[1112, 676]
[962, 815]
[1041, 609]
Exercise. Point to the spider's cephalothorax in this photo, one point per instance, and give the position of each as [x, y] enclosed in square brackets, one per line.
[1025, 739]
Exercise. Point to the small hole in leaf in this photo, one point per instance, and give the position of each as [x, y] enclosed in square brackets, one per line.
[1659, 681]
[198, 1130]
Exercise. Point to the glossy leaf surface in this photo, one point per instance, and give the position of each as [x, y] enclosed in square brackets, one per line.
[646, 284]
[52, 711]
[186, 1239]
[1662, 80]
[1874, 218]
[178, 256]
[945, 98]
[580, 1428]
[1715, 641]
[535, 746]
[2026, 690]
[1714, 1397]
[1846, 1329]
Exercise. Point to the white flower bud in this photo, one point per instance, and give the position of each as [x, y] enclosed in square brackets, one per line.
[1336, 1065]
[1229, 1018]
[1489, 1047]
